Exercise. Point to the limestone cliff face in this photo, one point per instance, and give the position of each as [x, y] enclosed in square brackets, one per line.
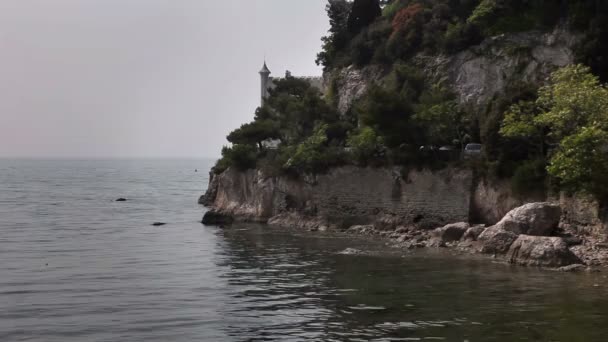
[350, 84]
[480, 73]
[347, 196]
[489, 70]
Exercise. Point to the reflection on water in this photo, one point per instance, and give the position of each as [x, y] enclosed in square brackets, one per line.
[301, 287]
[77, 266]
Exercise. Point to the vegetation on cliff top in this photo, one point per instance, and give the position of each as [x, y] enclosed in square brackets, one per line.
[558, 130]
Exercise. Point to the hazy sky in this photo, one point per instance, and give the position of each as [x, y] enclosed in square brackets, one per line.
[142, 78]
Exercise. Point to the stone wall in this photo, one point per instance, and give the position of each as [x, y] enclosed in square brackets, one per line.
[426, 198]
[584, 215]
[348, 195]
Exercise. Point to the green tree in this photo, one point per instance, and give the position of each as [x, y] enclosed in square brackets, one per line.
[581, 163]
[444, 123]
[572, 111]
[363, 13]
[365, 145]
[338, 38]
[313, 154]
[255, 133]
[389, 114]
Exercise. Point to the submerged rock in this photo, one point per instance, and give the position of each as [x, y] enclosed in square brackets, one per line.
[215, 218]
[496, 240]
[351, 251]
[541, 251]
[573, 268]
[538, 219]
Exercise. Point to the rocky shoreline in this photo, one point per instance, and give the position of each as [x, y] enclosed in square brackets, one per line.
[531, 235]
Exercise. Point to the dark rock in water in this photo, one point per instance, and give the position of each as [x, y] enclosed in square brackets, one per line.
[214, 218]
[156, 224]
[121, 199]
[541, 251]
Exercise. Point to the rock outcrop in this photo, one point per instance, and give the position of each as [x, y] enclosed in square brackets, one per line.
[495, 240]
[541, 251]
[346, 196]
[352, 83]
[484, 72]
[212, 217]
[451, 232]
[539, 219]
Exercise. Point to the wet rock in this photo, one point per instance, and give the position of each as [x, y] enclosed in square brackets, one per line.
[542, 251]
[436, 243]
[216, 218]
[538, 219]
[209, 197]
[573, 268]
[158, 224]
[351, 251]
[451, 232]
[473, 233]
[122, 199]
[572, 240]
[495, 240]
[363, 230]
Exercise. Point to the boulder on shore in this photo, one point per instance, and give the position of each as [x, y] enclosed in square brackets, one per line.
[472, 234]
[542, 251]
[451, 232]
[216, 218]
[495, 240]
[538, 219]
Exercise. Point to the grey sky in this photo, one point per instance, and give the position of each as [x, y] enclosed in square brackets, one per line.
[142, 78]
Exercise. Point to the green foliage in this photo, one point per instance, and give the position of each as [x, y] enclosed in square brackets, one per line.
[338, 38]
[573, 112]
[366, 145]
[581, 163]
[444, 123]
[241, 157]
[389, 114]
[390, 10]
[484, 12]
[363, 13]
[297, 107]
[255, 133]
[314, 155]
[574, 99]
[529, 177]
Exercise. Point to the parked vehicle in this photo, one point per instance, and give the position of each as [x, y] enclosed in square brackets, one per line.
[472, 151]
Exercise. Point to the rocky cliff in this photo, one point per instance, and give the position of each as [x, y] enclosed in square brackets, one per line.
[346, 196]
[479, 74]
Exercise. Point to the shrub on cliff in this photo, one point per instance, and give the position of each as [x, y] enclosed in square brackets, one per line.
[571, 111]
[241, 157]
[366, 147]
[314, 154]
[254, 133]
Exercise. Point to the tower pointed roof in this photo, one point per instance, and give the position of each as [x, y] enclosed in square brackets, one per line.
[265, 69]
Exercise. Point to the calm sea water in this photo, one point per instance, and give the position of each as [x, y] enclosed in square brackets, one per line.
[77, 266]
